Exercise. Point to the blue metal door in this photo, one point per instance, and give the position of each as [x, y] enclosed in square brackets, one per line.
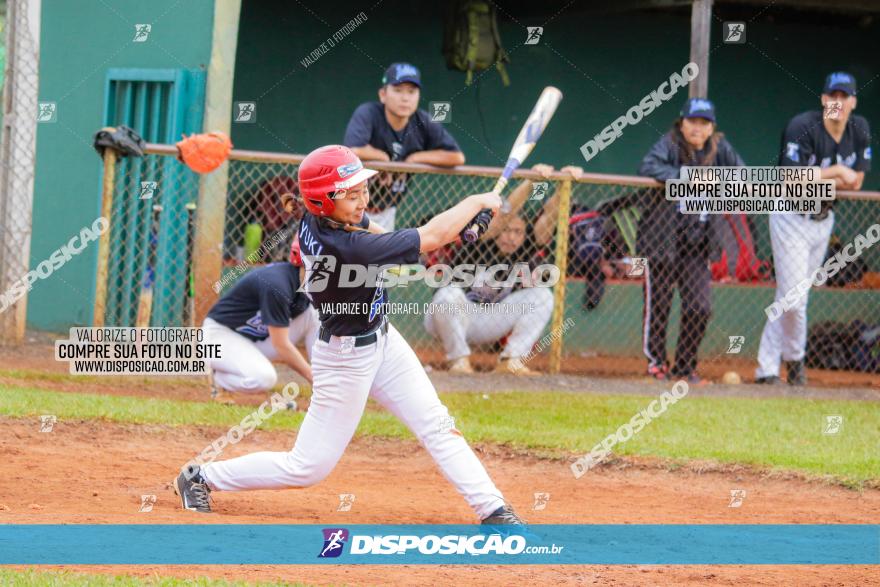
[149, 219]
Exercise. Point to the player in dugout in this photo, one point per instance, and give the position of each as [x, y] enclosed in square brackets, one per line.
[394, 129]
[509, 240]
[680, 246]
[839, 142]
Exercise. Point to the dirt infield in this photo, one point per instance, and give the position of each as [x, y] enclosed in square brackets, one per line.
[96, 472]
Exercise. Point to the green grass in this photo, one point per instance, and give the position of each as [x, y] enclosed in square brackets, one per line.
[32, 578]
[778, 433]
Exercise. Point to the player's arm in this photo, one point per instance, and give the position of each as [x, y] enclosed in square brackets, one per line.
[863, 156]
[658, 162]
[728, 156]
[440, 149]
[438, 157]
[516, 200]
[446, 226]
[358, 133]
[280, 337]
[844, 177]
[546, 223]
[860, 179]
[370, 153]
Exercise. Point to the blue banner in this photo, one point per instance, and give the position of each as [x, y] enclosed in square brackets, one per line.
[642, 544]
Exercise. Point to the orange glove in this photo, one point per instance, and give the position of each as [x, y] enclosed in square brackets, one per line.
[203, 153]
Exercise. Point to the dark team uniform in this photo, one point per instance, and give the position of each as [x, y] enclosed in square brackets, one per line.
[357, 355]
[805, 142]
[329, 248]
[265, 297]
[678, 247]
[800, 241]
[368, 126]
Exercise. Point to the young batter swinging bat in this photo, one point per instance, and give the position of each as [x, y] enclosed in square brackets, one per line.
[528, 136]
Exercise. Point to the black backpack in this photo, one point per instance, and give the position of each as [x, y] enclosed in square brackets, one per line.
[830, 345]
[471, 41]
[852, 272]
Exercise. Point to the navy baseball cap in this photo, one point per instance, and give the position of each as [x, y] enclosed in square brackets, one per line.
[840, 81]
[698, 108]
[401, 73]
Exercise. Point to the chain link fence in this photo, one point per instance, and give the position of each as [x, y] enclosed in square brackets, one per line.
[19, 54]
[595, 317]
[147, 278]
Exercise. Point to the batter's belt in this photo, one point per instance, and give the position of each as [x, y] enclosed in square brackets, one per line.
[359, 340]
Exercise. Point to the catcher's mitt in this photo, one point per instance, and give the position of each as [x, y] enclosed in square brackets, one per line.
[203, 153]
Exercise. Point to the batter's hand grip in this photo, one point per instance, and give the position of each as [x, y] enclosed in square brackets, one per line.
[478, 226]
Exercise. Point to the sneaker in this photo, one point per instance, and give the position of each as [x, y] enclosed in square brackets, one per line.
[658, 372]
[461, 366]
[768, 380]
[503, 516]
[195, 495]
[797, 373]
[513, 366]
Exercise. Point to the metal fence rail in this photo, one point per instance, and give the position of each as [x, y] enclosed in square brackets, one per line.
[150, 236]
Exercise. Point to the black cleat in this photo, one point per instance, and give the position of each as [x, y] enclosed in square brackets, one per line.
[769, 380]
[193, 490]
[797, 373]
[503, 516]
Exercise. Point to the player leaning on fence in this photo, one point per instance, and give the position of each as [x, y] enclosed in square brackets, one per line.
[509, 240]
[679, 246]
[839, 142]
[394, 129]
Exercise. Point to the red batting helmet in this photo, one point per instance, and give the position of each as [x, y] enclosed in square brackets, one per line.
[327, 170]
[295, 255]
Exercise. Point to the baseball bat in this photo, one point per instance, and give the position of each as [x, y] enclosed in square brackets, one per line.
[145, 299]
[525, 141]
[190, 308]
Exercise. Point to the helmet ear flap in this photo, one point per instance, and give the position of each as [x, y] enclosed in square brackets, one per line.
[322, 206]
[321, 172]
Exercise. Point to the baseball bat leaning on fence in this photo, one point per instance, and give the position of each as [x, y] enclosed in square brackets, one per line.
[145, 300]
[190, 308]
[525, 141]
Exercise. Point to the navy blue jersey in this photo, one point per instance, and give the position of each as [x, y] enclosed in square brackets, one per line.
[806, 142]
[368, 126]
[327, 250]
[664, 232]
[265, 297]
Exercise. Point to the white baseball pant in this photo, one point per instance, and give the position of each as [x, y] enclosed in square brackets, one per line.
[344, 377]
[481, 326]
[799, 247]
[246, 366]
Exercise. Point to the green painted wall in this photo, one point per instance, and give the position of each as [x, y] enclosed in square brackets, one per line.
[604, 64]
[80, 41]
